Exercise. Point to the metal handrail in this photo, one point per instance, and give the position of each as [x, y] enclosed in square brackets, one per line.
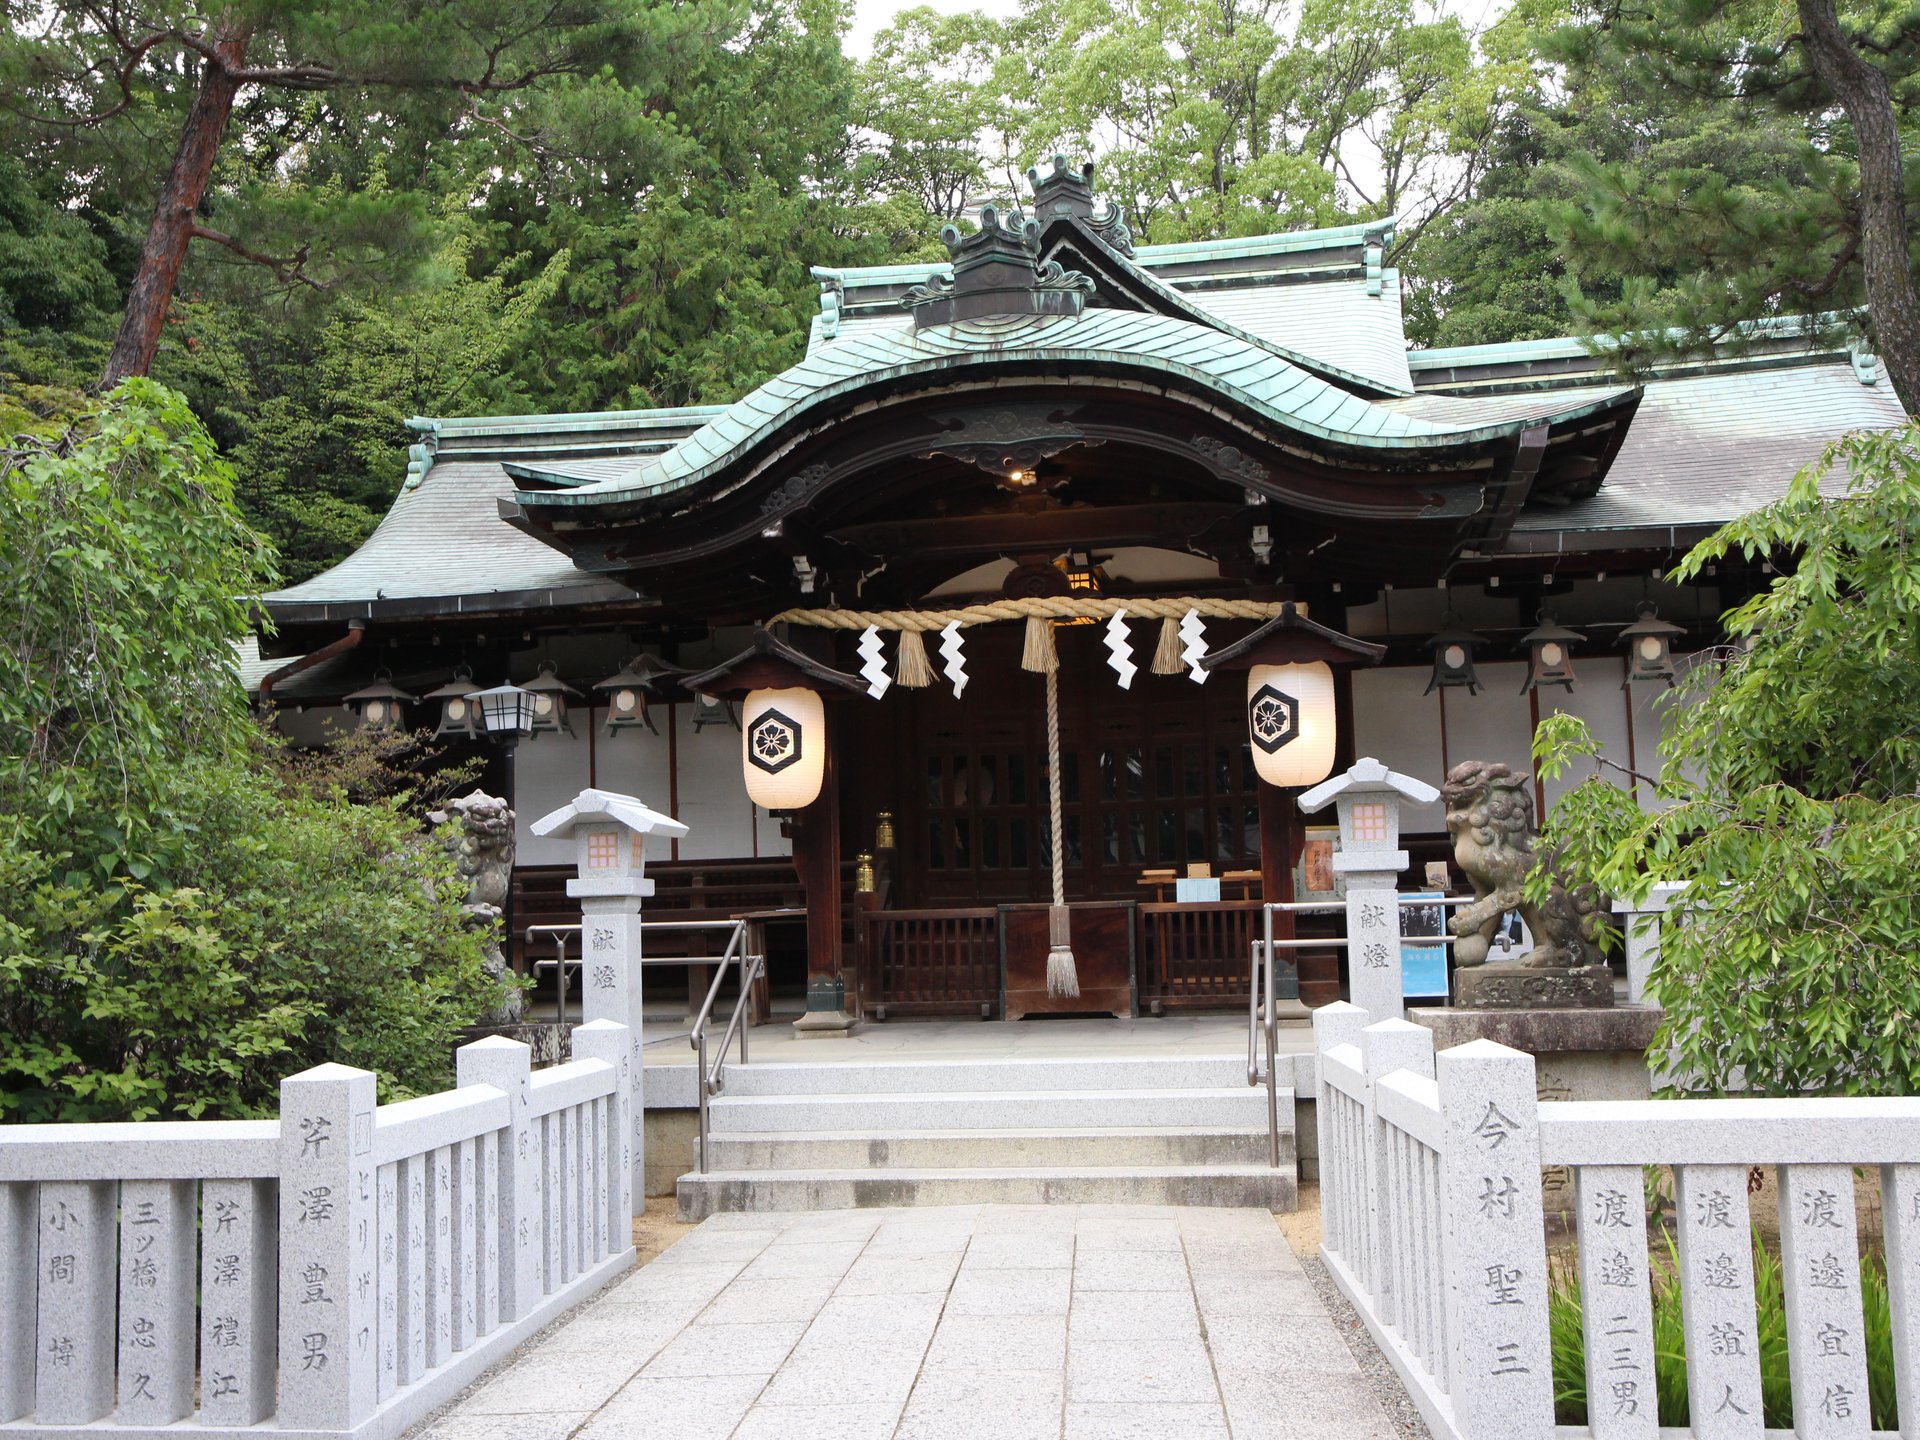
[1262, 1013]
[711, 1080]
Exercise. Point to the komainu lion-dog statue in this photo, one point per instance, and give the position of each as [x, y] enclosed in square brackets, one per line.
[1490, 817]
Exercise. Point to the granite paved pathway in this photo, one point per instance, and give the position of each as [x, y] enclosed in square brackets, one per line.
[979, 1322]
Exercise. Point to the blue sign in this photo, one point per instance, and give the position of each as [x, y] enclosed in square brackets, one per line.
[1423, 967]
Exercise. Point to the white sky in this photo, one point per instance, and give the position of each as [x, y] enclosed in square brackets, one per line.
[870, 17]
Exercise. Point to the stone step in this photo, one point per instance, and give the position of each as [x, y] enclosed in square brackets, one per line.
[1240, 1107]
[1213, 1185]
[994, 1149]
[865, 1077]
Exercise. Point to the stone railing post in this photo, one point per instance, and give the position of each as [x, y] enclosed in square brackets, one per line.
[611, 1042]
[506, 1065]
[328, 1379]
[610, 835]
[19, 1289]
[1334, 1025]
[1641, 925]
[1493, 1243]
[1389, 1046]
[75, 1354]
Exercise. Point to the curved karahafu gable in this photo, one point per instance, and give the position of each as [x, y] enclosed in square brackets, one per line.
[1293, 406]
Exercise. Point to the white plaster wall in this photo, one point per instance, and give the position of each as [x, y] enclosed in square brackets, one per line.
[722, 822]
[636, 762]
[1398, 726]
[548, 771]
[1602, 703]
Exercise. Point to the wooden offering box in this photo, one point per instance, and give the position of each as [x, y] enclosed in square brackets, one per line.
[1102, 938]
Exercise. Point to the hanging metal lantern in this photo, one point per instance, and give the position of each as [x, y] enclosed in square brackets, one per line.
[1650, 646]
[629, 691]
[379, 705]
[550, 694]
[459, 716]
[1549, 658]
[1453, 649]
[711, 710]
[783, 747]
[1290, 722]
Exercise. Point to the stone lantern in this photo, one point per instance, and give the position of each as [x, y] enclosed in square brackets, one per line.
[610, 833]
[1367, 799]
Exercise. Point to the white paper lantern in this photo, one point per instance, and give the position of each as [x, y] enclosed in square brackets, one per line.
[783, 747]
[1290, 722]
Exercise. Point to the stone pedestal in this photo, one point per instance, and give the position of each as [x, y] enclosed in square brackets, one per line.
[1578, 1055]
[1533, 987]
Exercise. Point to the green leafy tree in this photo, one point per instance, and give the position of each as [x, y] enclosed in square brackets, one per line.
[1789, 799]
[1833, 237]
[187, 917]
[412, 74]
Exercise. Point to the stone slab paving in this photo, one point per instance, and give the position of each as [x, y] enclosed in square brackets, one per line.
[983, 1322]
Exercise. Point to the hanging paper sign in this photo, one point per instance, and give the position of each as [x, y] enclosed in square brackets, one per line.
[1194, 650]
[1120, 650]
[953, 661]
[874, 671]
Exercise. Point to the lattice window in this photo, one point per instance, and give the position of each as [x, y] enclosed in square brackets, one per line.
[1370, 822]
[603, 850]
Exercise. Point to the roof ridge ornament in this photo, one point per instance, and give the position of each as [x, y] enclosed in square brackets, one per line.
[996, 271]
[1069, 191]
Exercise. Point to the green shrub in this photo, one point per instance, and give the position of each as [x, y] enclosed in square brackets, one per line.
[292, 930]
[1669, 1343]
[186, 914]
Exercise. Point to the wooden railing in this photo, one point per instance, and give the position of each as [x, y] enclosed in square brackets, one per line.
[932, 962]
[1196, 955]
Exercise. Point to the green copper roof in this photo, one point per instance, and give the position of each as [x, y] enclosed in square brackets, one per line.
[1235, 369]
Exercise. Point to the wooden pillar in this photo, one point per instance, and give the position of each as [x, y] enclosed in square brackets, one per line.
[1282, 837]
[816, 856]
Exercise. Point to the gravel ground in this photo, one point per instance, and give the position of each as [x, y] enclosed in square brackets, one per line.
[1302, 1229]
[1387, 1388]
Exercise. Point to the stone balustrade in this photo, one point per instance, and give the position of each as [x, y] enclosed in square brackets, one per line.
[1432, 1225]
[340, 1271]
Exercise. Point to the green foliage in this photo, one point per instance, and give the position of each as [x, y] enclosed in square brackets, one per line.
[294, 929]
[187, 917]
[1779, 232]
[123, 570]
[1789, 795]
[1669, 1343]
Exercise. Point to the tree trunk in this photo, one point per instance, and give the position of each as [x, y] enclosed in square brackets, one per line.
[1862, 90]
[171, 230]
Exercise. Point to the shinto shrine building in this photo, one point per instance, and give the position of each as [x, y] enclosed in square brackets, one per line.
[1202, 434]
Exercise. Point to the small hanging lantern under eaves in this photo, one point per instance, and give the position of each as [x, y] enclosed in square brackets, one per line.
[629, 691]
[379, 704]
[459, 717]
[550, 694]
[711, 710]
[1549, 660]
[1649, 645]
[1453, 649]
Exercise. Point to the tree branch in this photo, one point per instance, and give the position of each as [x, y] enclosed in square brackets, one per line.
[290, 269]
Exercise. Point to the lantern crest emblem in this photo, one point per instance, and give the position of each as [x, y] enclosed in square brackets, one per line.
[774, 741]
[1273, 718]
